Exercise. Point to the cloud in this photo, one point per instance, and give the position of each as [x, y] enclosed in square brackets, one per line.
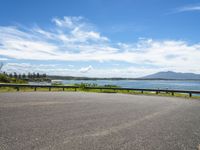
[27, 67]
[187, 8]
[69, 22]
[74, 39]
[4, 59]
[71, 66]
[86, 69]
[74, 29]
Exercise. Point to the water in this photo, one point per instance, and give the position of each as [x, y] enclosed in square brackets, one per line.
[148, 84]
[39, 83]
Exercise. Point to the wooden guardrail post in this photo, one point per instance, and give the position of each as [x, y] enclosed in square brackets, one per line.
[17, 88]
[172, 93]
[49, 88]
[190, 94]
[75, 89]
[35, 88]
[63, 89]
[142, 91]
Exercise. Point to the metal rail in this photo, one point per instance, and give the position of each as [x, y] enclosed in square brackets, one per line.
[18, 86]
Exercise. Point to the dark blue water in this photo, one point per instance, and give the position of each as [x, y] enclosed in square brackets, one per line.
[149, 84]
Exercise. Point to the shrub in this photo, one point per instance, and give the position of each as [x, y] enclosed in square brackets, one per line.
[4, 78]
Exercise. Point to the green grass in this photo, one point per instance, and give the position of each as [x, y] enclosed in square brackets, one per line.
[27, 89]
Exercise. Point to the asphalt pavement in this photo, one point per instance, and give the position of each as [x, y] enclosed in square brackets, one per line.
[97, 121]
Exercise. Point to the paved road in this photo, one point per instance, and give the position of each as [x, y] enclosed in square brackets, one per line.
[94, 121]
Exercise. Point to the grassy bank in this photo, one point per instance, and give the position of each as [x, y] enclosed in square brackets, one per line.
[82, 89]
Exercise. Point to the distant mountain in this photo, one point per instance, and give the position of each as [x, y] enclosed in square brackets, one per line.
[173, 75]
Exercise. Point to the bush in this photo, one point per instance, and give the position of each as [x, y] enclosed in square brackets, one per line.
[4, 78]
[111, 86]
[83, 85]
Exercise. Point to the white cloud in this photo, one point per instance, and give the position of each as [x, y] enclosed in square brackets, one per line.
[86, 69]
[72, 39]
[4, 59]
[26, 67]
[189, 8]
[68, 22]
[71, 66]
[41, 68]
[77, 30]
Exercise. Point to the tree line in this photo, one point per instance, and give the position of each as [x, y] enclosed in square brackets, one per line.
[15, 77]
[25, 76]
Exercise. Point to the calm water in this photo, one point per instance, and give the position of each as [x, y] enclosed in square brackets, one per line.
[157, 84]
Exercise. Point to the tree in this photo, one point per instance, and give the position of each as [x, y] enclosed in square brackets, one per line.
[19, 76]
[15, 75]
[1, 65]
[5, 73]
[4, 78]
[29, 75]
[34, 75]
[44, 75]
[23, 75]
[10, 75]
[37, 75]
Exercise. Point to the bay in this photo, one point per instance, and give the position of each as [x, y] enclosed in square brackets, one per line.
[148, 84]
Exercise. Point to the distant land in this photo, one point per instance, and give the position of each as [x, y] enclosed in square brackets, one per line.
[173, 75]
[168, 75]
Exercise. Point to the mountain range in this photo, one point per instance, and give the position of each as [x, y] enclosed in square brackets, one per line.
[173, 75]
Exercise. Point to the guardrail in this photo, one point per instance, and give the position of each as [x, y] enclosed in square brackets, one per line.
[157, 91]
[17, 86]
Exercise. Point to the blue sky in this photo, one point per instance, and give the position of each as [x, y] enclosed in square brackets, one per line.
[103, 38]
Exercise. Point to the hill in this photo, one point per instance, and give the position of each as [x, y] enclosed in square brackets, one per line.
[173, 75]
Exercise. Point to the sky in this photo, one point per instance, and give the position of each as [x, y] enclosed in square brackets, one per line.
[100, 38]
